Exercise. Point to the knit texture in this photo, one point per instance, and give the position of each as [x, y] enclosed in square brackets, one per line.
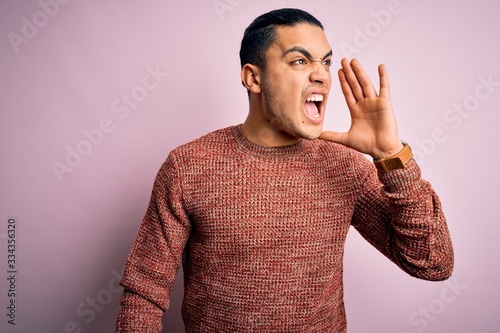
[260, 232]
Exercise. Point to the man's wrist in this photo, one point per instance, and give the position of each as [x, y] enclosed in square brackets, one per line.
[388, 153]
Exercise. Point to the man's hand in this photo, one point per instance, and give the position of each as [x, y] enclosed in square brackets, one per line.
[373, 129]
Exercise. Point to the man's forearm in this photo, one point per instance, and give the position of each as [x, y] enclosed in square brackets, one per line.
[138, 315]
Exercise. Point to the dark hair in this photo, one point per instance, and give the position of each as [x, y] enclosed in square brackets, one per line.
[261, 33]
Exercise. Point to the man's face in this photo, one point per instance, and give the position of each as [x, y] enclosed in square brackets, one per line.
[296, 81]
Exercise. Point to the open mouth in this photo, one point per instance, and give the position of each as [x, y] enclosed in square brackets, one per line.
[313, 105]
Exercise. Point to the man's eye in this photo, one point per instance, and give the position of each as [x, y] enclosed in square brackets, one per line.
[327, 62]
[299, 62]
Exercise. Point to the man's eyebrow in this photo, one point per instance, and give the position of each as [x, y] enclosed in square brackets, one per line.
[305, 53]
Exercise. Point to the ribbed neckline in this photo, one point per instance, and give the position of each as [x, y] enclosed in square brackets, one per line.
[282, 151]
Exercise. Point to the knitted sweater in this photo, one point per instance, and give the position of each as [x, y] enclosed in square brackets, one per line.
[260, 232]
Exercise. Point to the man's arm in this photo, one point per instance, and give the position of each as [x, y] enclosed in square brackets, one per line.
[400, 214]
[397, 211]
[155, 256]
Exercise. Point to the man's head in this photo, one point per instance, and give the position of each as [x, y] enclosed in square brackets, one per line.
[285, 59]
[261, 33]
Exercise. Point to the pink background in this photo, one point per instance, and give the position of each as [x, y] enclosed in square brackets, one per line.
[67, 65]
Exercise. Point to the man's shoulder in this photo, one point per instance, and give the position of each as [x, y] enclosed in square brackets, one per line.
[340, 157]
[335, 150]
[212, 142]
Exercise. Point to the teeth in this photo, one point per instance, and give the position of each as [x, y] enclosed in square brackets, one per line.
[315, 98]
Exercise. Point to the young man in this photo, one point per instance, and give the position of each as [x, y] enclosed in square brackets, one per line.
[258, 213]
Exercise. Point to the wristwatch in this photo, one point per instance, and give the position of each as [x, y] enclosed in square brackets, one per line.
[396, 161]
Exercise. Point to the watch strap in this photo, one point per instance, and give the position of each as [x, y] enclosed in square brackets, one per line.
[396, 161]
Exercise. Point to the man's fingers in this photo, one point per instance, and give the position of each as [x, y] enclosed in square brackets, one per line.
[359, 81]
[363, 79]
[351, 80]
[384, 82]
[346, 89]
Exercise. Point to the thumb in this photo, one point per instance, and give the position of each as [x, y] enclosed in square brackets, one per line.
[336, 137]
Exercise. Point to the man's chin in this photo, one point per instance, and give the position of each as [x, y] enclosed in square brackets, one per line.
[302, 131]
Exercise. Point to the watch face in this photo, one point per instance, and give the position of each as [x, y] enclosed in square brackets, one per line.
[393, 164]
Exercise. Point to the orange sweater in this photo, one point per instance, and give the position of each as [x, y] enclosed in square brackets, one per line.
[260, 233]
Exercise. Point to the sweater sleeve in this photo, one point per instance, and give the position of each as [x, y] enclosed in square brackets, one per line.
[155, 256]
[400, 214]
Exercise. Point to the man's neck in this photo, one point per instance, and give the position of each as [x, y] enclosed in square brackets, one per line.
[265, 134]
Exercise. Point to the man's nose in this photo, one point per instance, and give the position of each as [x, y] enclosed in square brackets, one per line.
[320, 73]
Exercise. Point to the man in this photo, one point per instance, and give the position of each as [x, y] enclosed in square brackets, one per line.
[258, 213]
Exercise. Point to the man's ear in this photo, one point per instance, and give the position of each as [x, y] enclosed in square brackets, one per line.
[250, 77]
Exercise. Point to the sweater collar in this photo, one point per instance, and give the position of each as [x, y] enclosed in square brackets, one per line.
[265, 151]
